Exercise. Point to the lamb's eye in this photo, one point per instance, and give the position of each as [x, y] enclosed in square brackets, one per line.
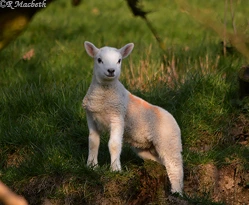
[99, 60]
[119, 61]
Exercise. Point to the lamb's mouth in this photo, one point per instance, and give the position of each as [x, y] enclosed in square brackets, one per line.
[110, 75]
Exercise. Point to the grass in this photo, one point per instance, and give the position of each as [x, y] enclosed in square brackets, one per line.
[43, 129]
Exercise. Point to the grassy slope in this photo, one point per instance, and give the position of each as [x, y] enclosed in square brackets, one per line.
[43, 131]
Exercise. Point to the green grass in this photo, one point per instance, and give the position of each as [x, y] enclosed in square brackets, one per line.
[43, 129]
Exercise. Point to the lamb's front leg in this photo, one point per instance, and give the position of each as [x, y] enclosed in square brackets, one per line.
[115, 142]
[94, 141]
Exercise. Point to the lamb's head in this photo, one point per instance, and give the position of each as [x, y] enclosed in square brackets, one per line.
[107, 60]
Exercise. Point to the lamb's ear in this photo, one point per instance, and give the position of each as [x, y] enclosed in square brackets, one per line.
[126, 50]
[90, 49]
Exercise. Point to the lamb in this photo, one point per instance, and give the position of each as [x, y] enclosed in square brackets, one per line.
[152, 132]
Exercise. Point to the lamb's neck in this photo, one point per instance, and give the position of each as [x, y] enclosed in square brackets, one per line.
[106, 85]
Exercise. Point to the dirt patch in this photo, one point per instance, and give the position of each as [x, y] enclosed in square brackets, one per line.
[16, 157]
[232, 185]
[228, 184]
[202, 179]
[147, 185]
[240, 130]
[39, 187]
[144, 186]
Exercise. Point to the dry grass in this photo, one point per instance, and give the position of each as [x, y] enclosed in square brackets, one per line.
[146, 74]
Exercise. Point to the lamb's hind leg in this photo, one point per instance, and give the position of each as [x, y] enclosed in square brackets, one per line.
[172, 160]
[175, 173]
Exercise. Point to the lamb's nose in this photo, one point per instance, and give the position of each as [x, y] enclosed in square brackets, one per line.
[111, 71]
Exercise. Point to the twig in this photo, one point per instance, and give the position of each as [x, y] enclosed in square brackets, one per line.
[154, 32]
[138, 11]
[233, 17]
[225, 28]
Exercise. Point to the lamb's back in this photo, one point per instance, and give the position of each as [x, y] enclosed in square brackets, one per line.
[140, 122]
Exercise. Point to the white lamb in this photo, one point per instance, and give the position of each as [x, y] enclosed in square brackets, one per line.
[152, 132]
